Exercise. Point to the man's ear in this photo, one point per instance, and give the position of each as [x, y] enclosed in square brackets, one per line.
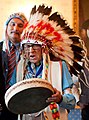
[45, 49]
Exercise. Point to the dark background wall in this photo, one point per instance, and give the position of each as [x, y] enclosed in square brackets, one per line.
[83, 11]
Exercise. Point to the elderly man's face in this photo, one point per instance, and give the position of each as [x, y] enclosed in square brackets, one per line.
[33, 52]
[14, 30]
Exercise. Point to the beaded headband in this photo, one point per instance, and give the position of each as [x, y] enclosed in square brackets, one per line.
[19, 15]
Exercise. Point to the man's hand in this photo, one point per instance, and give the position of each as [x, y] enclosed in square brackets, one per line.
[56, 97]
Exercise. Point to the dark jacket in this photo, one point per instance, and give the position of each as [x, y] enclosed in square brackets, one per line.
[5, 114]
[84, 97]
[2, 78]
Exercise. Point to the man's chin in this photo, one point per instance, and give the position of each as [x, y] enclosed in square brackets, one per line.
[16, 40]
[33, 61]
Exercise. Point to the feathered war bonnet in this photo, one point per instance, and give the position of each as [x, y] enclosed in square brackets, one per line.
[56, 36]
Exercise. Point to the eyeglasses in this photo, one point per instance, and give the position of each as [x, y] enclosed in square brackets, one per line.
[34, 46]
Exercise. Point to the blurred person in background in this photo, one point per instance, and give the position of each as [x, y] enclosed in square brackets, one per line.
[84, 76]
[81, 83]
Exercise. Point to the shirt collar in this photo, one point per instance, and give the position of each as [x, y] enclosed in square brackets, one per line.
[17, 45]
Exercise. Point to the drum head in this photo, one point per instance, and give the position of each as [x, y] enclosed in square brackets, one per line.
[28, 100]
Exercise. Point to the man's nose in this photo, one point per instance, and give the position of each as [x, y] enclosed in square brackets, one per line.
[31, 49]
[16, 27]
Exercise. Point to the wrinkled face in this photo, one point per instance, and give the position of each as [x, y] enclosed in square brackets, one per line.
[33, 52]
[14, 30]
